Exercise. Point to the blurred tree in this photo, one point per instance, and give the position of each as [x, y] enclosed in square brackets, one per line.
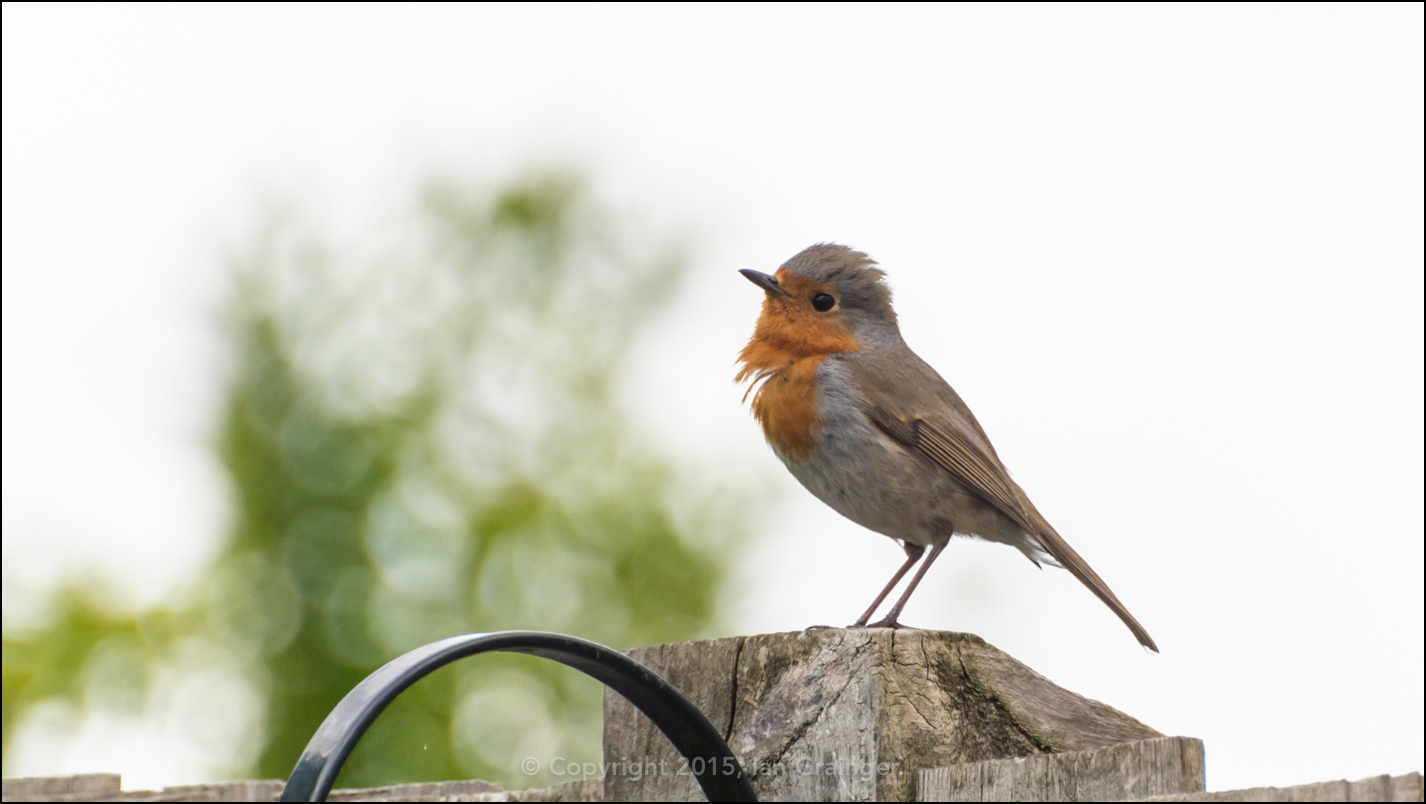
[423, 441]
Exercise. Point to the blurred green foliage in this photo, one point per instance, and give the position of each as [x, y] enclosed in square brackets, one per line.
[423, 440]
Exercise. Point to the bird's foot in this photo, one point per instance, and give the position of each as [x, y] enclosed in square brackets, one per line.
[818, 628]
[886, 622]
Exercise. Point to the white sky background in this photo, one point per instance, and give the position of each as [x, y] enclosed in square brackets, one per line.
[1170, 255]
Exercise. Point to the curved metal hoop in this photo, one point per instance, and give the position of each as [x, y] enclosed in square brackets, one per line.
[686, 727]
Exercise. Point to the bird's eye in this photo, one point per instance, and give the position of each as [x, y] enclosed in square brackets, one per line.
[822, 302]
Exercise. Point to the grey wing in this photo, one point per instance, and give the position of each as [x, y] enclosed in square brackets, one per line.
[956, 454]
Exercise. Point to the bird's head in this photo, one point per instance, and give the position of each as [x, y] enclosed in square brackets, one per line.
[827, 299]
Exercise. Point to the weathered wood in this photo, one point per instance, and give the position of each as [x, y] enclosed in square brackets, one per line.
[45, 788]
[587, 790]
[106, 787]
[1124, 772]
[422, 791]
[838, 714]
[269, 790]
[1083, 776]
[639, 761]
[1376, 788]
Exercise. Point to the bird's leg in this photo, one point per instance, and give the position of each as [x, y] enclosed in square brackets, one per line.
[889, 621]
[913, 553]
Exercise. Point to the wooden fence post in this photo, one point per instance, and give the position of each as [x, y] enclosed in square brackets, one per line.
[836, 714]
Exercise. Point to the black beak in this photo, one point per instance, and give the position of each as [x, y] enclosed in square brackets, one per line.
[764, 281]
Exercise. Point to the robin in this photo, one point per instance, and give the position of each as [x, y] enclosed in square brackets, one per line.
[874, 432]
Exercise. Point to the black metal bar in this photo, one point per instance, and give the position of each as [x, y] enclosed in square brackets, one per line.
[718, 771]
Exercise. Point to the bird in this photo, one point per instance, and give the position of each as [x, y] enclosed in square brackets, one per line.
[874, 432]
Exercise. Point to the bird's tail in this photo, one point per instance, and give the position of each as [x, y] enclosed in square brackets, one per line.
[1066, 557]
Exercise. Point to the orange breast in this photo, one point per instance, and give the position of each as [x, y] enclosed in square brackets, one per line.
[790, 343]
[786, 406]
